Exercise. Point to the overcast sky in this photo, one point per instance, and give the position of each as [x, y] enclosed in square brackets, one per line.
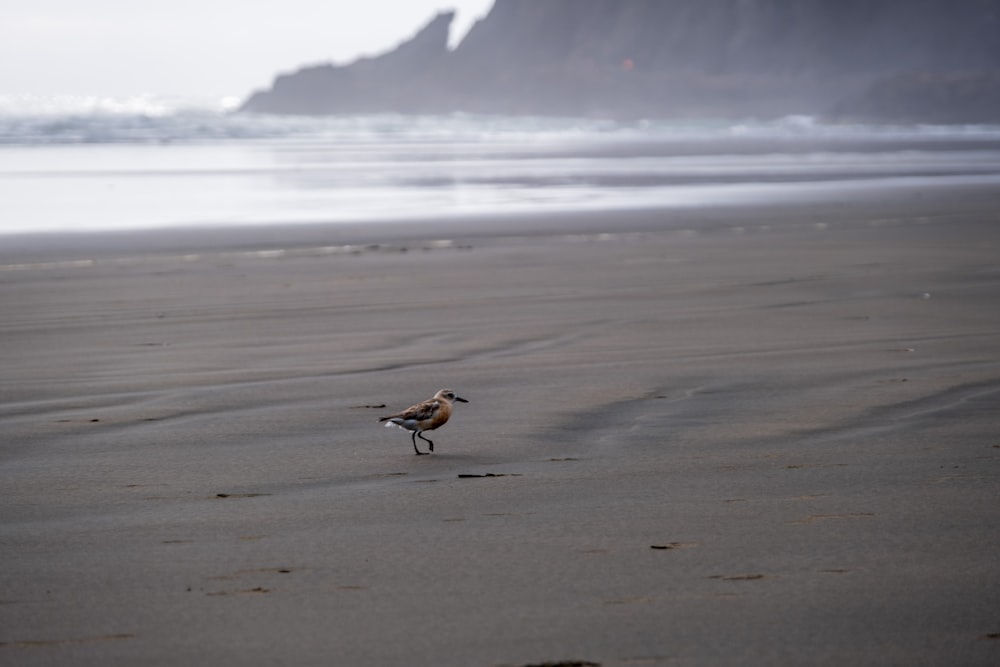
[197, 48]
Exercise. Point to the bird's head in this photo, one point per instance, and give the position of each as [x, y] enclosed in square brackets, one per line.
[450, 396]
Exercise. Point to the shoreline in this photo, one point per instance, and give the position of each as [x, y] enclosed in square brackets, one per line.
[881, 206]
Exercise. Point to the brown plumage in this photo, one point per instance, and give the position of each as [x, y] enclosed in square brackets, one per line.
[425, 416]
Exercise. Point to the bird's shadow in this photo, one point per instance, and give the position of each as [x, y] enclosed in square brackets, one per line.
[448, 457]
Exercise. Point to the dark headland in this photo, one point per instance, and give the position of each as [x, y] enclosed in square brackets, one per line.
[931, 61]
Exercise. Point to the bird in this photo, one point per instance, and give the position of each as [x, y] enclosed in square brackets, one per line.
[425, 416]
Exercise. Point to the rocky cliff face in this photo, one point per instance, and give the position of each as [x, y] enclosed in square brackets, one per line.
[883, 59]
[404, 80]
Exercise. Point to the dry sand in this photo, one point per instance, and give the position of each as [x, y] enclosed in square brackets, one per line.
[764, 436]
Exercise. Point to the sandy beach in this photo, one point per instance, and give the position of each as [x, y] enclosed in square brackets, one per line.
[763, 435]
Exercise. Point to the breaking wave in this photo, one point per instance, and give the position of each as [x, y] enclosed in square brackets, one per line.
[73, 164]
[153, 119]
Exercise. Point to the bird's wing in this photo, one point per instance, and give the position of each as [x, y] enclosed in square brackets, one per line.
[421, 411]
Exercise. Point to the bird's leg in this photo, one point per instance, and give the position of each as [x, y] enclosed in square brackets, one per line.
[431, 442]
[413, 437]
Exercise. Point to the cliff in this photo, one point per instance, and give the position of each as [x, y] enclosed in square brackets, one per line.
[880, 59]
[400, 80]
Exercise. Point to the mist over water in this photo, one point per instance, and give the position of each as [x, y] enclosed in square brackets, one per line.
[81, 163]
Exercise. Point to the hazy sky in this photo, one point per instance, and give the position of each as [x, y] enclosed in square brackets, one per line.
[196, 48]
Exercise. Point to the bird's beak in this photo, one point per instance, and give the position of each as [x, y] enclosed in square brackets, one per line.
[460, 399]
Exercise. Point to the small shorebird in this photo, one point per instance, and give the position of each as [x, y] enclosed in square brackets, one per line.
[426, 416]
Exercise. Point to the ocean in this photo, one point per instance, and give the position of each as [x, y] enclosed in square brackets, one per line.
[78, 164]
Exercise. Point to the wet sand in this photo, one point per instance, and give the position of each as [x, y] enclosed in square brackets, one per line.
[751, 436]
